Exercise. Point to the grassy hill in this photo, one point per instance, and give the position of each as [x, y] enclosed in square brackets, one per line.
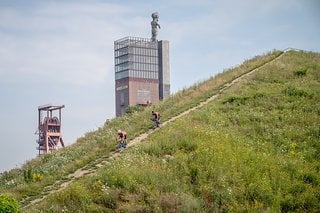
[255, 148]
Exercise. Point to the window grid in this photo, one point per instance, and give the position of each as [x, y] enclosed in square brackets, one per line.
[136, 57]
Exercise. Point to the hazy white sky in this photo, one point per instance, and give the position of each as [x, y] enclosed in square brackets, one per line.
[61, 52]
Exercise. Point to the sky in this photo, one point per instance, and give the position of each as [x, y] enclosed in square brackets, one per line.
[61, 52]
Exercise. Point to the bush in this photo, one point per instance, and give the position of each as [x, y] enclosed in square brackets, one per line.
[74, 197]
[8, 204]
[297, 92]
[27, 174]
[289, 204]
[36, 177]
[132, 109]
[30, 176]
[236, 99]
[310, 178]
[301, 72]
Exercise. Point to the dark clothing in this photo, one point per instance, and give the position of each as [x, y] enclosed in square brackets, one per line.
[122, 144]
[156, 116]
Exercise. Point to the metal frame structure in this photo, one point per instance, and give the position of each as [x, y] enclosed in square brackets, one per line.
[49, 128]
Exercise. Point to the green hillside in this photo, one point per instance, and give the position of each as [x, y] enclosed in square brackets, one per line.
[256, 147]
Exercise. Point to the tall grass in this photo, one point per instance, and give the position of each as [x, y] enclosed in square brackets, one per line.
[256, 148]
[96, 144]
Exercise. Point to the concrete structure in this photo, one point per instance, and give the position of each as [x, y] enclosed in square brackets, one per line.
[142, 72]
[164, 69]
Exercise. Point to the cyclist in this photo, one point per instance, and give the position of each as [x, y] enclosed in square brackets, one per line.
[122, 138]
[156, 118]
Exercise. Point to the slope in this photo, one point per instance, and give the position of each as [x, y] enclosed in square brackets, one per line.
[41, 174]
[125, 195]
[28, 201]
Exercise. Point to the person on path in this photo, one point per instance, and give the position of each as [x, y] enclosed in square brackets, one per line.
[122, 139]
[156, 118]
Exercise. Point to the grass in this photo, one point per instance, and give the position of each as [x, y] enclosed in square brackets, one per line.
[95, 145]
[254, 149]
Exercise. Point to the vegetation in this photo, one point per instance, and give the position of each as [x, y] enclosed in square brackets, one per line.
[8, 204]
[133, 109]
[256, 148]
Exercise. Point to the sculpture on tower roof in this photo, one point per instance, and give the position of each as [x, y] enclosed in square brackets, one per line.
[154, 26]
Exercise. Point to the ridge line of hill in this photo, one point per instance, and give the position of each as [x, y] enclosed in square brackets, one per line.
[98, 163]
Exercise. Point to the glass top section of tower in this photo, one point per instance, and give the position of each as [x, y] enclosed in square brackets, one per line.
[136, 58]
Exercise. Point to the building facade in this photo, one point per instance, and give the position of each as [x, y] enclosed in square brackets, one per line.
[142, 72]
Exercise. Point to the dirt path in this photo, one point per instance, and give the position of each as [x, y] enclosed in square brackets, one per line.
[59, 185]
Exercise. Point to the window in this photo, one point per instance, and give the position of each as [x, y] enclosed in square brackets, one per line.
[121, 98]
[123, 74]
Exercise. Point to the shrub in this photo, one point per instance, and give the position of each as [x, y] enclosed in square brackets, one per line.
[289, 204]
[27, 174]
[108, 199]
[186, 145]
[74, 197]
[132, 109]
[296, 92]
[194, 172]
[36, 177]
[30, 176]
[8, 204]
[310, 178]
[260, 192]
[300, 72]
[236, 99]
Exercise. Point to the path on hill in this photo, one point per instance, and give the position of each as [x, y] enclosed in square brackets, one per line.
[60, 185]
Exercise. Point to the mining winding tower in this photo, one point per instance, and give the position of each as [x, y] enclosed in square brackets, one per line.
[49, 128]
